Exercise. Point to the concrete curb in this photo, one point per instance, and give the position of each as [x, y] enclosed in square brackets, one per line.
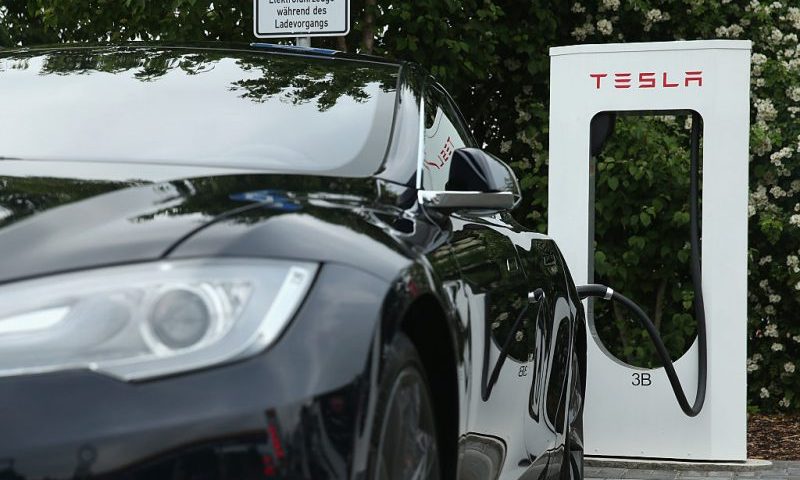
[676, 465]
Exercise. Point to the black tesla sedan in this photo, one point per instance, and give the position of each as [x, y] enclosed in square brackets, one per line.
[265, 262]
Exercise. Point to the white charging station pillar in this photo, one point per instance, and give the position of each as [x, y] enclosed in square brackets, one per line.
[623, 417]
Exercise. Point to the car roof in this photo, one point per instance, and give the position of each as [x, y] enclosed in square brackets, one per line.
[230, 47]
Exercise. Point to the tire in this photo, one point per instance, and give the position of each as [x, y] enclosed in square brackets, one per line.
[404, 444]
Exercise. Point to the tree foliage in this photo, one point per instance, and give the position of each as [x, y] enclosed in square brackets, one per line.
[493, 56]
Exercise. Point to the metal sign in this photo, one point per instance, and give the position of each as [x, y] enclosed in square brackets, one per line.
[301, 18]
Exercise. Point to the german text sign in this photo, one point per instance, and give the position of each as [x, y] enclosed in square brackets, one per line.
[301, 18]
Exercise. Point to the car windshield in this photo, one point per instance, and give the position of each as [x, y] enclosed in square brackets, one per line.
[265, 111]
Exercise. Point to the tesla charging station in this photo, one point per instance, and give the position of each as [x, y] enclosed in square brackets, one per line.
[625, 415]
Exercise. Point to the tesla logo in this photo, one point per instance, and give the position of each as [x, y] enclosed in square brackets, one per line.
[647, 79]
[445, 154]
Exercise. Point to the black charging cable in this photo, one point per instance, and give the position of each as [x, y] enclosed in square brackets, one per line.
[607, 293]
[536, 296]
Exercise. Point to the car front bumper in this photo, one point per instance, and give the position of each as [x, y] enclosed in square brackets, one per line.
[294, 411]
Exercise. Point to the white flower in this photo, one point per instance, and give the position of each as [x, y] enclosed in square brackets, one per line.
[758, 59]
[605, 27]
[777, 192]
[777, 347]
[765, 260]
[796, 338]
[771, 330]
[776, 36]
[777, 157]
[797, 286]
[774, 298]
[580, 33]
[751, 366]
[793, 16]
[795, 220]
[785, 402]
[505, 147]
[730, 32]
[764, 284]
[578, 8]
[765, 110]
[764, 393]
[769, 310]
[757, 357]
[611, 5]
[792, 261]
[788, 367]
[654, 16]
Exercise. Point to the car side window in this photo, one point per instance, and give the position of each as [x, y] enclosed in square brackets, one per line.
[444, 133]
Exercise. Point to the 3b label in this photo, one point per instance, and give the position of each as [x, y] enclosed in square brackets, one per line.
[642, 379]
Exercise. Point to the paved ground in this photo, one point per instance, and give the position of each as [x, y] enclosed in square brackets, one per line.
[778, 471]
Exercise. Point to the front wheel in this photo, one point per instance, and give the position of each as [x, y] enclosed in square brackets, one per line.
[404, 441]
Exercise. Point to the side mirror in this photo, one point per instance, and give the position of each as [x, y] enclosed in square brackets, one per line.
[476, 181]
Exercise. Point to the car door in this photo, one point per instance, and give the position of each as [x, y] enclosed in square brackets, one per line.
[492, 277]
[547, 420]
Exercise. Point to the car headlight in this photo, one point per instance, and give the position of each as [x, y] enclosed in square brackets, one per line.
[149, 320]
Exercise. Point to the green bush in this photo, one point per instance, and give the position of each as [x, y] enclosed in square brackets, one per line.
[493, 56]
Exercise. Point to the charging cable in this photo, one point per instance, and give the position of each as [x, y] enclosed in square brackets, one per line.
[602, 291]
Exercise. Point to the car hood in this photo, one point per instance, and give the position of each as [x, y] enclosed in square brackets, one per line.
[62, 216]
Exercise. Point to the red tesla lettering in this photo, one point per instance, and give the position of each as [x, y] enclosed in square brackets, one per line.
[696, 76]
[650, 79]
[597, 77]
[666, 83]
[446, 152]
[647, 80]
[622, 80]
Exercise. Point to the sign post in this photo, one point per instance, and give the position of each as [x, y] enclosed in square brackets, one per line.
[302, 19]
